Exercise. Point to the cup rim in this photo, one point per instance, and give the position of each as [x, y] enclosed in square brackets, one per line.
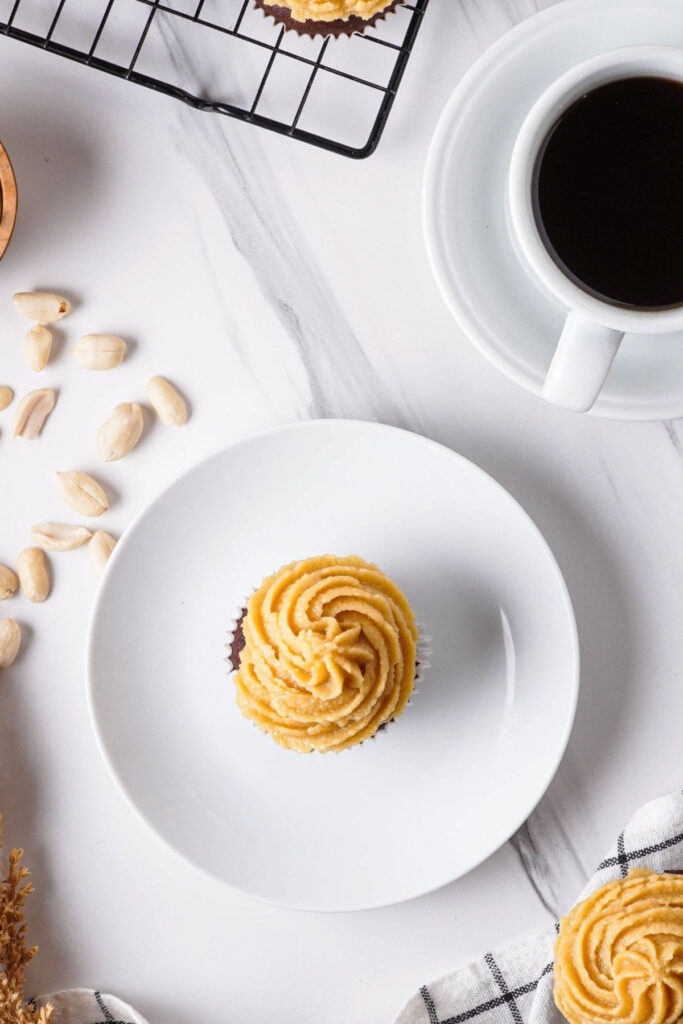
[625, 62]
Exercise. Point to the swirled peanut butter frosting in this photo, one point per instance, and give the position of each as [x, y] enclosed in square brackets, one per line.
[331, 10]
[619, 954]
[329, 654]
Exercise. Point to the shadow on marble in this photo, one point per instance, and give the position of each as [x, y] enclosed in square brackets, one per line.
[21, 803]
[58, 176]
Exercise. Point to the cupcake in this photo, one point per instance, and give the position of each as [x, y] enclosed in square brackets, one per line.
[619, 954]
[327, 17]
[324, 654]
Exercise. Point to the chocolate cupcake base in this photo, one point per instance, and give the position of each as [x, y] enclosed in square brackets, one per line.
[282, 15]
[237, 641]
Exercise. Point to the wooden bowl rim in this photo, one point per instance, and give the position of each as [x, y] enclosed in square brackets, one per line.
[8, 197]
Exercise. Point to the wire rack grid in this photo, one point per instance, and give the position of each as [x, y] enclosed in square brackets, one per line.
[227, 57]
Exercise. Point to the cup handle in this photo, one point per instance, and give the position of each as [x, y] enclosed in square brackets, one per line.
[581, 363]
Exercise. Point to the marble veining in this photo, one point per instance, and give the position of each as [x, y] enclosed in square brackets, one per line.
[672, 433]
[276, 282]
[254, 211]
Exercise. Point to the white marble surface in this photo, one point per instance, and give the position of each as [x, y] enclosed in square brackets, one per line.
[276, 282]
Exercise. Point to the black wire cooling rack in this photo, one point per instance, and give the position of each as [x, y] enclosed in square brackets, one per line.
[225, 56]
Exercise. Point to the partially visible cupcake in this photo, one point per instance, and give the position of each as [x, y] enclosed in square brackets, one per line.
[619, 953]
[325, 654]
[327, 17]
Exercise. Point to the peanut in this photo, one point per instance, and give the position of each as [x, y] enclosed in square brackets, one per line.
[43, 307]
[10, 642]
[81, 493]
[34, 577]
[168, 404]
[9, 582]
[31, 413]
[99, 351]
[99, 550]
[37, 347]
[120, 432]
[59, 536]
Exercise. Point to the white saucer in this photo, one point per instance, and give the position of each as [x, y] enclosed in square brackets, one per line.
[512, 322]
[443, 786]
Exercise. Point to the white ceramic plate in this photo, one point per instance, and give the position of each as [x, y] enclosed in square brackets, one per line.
[445, 784]
[514, 324]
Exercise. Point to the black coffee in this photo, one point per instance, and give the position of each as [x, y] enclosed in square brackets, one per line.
[608, 192]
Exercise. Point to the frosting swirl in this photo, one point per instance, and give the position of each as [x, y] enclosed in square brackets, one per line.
[331, 10]
[329, 654]
[619, 954]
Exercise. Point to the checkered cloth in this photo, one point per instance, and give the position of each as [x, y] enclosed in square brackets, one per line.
[83, 1006]
[515, 985]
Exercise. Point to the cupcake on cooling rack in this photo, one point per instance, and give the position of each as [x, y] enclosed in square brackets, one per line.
[327, 17]
[324, 654]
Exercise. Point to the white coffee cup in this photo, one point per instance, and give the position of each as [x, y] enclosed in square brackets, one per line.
[594, 328]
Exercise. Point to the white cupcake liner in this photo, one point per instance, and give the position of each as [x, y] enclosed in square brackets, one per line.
[422, 662]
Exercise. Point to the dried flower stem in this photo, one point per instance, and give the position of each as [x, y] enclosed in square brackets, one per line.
[14, 953]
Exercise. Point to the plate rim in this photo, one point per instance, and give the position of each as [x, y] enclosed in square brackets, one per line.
[573, 678]
[462, 311]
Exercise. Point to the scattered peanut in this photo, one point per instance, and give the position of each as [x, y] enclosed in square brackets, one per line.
[120, 432]
[99, 550]
[117, 436]
[34, 577]
[9, 581]
[168, 404]
[81, 493]
[10, 642]
[31, 413]
[37, 346]
[43, 307]
[59, 536]
[99, 351]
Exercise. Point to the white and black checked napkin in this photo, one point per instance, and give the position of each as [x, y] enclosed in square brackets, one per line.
[515, 985]
[83, 1006]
